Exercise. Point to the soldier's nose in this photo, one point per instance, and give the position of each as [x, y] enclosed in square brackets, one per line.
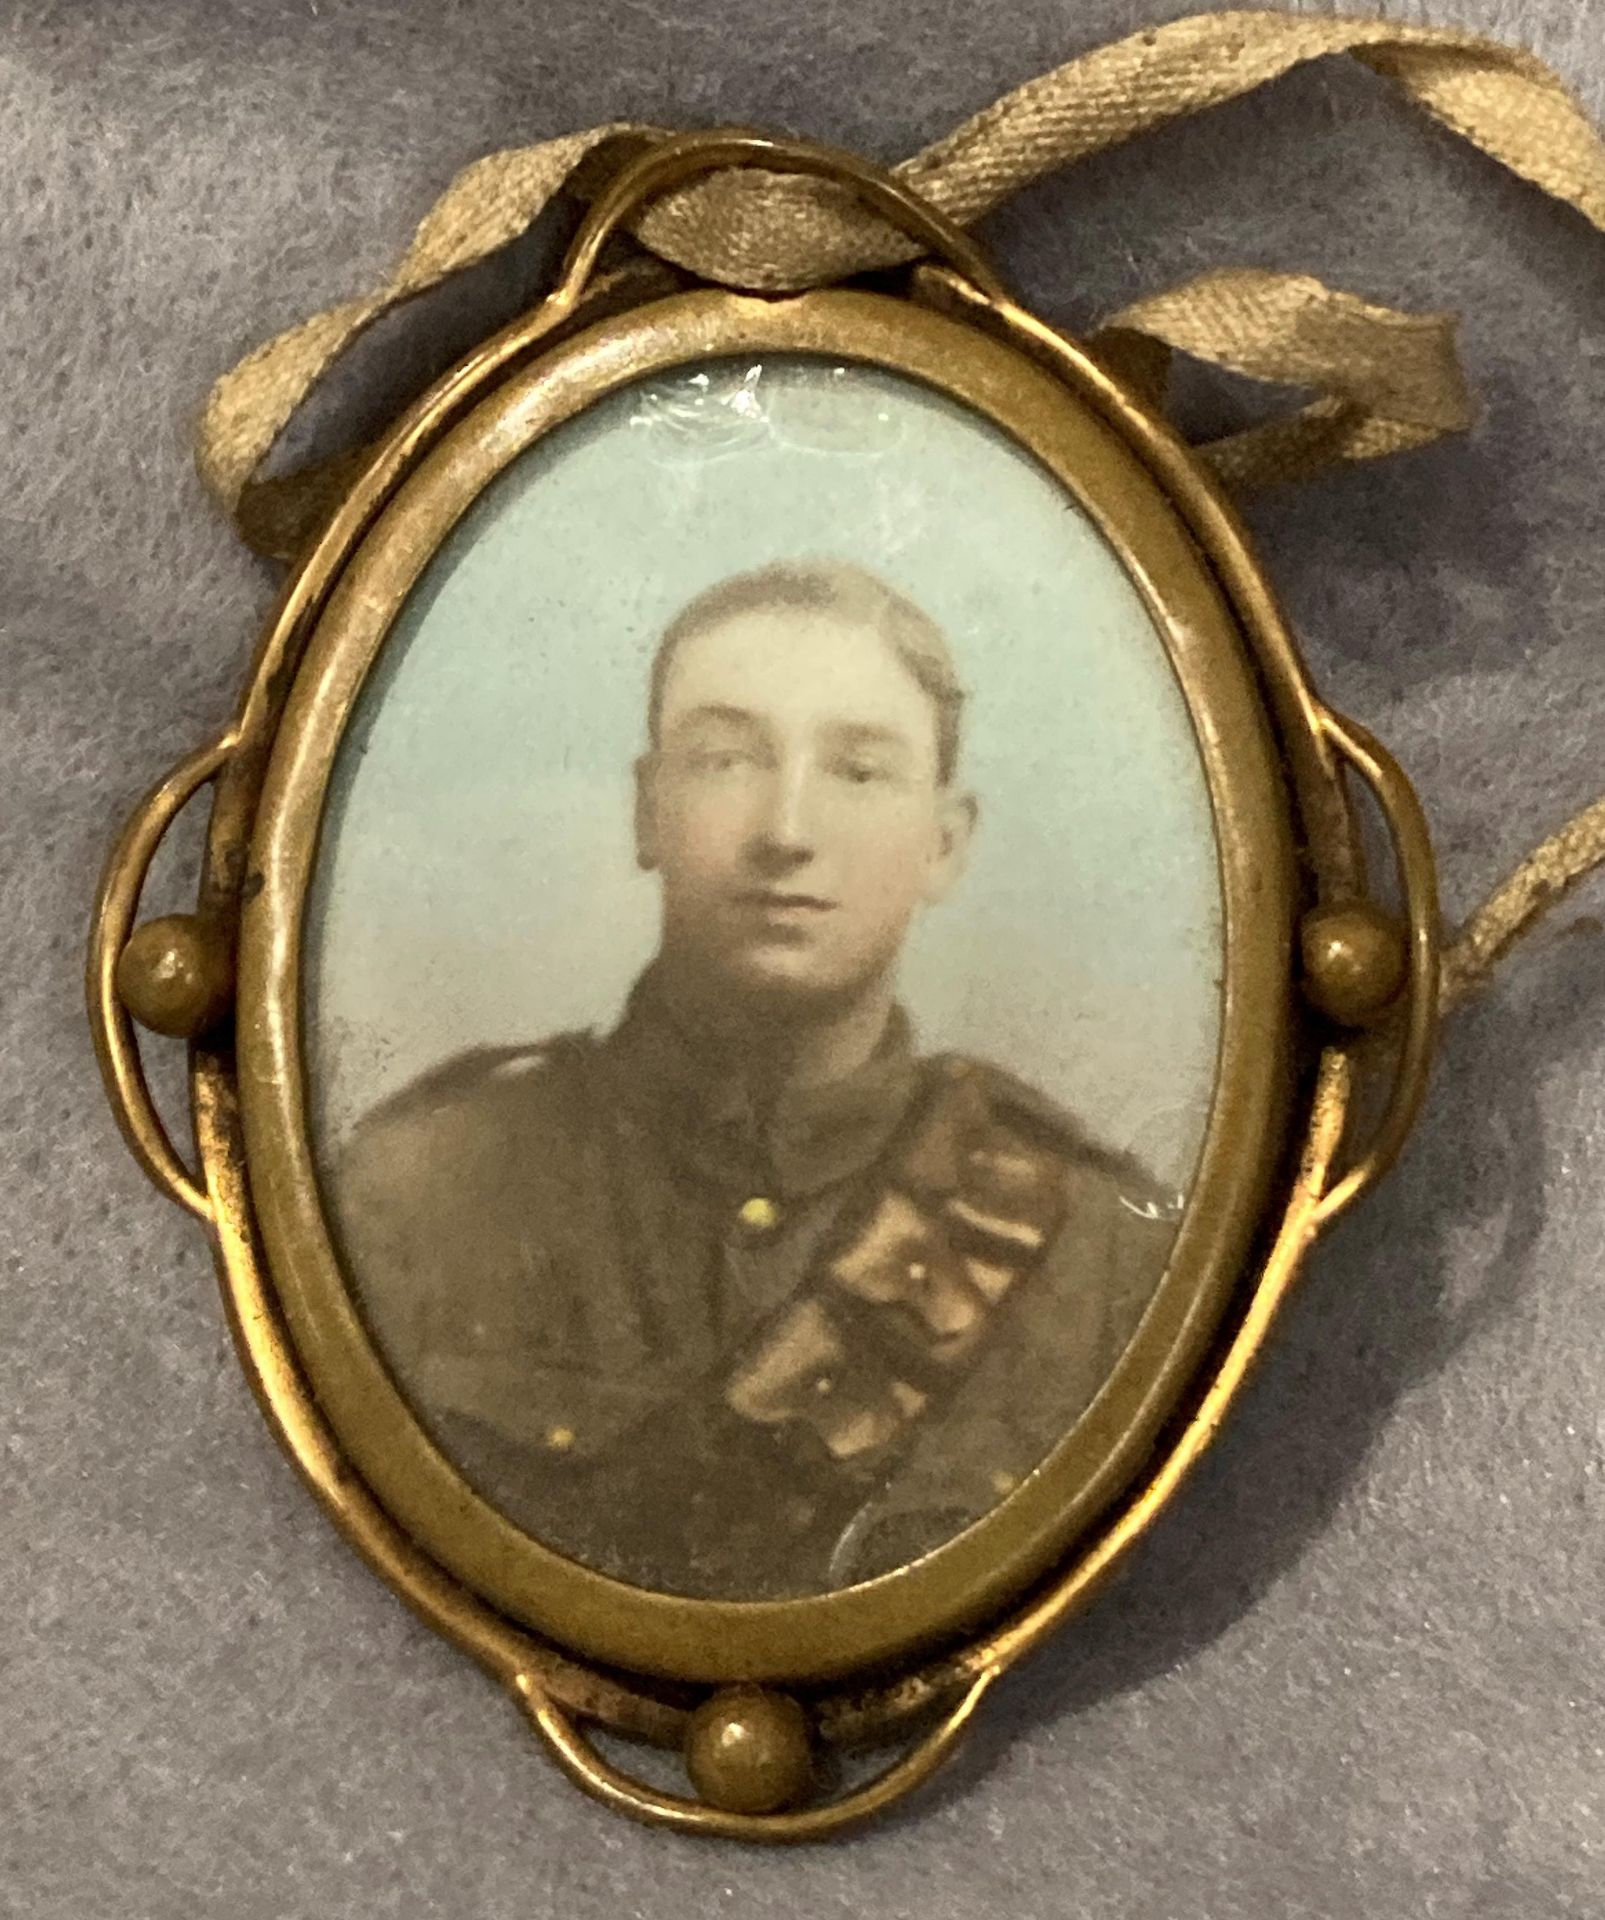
[785, 829]
[779, 853]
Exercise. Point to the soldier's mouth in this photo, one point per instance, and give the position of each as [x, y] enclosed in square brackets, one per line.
[770, 900]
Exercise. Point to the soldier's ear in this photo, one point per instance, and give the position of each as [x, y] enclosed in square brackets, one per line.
[957, 813]
[646, 813]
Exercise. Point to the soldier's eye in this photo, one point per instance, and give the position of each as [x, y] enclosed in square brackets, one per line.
[862, 773]
[715, 760]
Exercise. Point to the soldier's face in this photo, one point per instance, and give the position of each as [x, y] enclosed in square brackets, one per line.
[792, 807]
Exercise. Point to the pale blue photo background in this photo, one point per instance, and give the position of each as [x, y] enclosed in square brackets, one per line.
[477, 882]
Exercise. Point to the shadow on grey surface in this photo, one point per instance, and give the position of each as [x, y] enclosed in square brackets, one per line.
[1372, 1317]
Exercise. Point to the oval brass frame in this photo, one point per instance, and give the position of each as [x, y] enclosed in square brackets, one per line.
[960, 1583]
[933, 1701]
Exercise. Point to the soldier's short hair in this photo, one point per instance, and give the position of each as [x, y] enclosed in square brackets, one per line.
[827, 586]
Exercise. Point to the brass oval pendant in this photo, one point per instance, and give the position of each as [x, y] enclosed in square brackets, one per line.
[634, 1279]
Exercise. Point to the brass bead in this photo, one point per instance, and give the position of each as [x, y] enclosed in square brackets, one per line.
[748, 1750]
[176, 976]
[1355, 961]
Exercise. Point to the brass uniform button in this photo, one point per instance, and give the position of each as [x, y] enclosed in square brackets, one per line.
[758, 1215]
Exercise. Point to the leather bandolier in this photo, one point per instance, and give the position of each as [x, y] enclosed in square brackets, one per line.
[891, 1319]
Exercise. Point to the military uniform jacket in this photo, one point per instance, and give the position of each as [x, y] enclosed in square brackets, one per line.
[733, 1353]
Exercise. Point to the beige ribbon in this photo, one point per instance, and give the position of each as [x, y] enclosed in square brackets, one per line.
[1383, 381]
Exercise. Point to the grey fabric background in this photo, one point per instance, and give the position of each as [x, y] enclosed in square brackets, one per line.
[1357, 1670]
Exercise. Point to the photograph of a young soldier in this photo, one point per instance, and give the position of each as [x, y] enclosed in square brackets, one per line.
[746, 1297]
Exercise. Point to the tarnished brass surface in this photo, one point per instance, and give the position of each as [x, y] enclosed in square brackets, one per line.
[1269, 1173]
[176, 975]
[749, 1750]
[1356, 960]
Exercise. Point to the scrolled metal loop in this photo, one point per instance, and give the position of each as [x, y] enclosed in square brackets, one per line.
[681, 158]
[615, 1788]
[1412, 849]
[116, 905]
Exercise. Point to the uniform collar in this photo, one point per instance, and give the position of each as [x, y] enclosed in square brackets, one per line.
[710, 1122]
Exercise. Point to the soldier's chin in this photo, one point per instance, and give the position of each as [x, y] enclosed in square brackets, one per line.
[783, 976]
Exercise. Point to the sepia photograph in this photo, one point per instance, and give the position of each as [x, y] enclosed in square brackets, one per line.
[763, 979]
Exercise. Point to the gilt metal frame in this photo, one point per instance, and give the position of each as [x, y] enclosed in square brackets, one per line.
[911, 1653]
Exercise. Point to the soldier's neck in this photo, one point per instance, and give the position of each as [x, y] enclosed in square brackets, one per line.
[779, 1049]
